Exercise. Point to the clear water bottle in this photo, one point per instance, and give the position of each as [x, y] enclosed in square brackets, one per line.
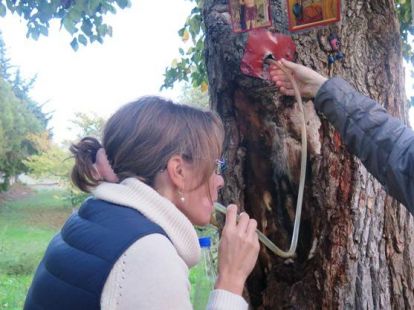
[205, 275]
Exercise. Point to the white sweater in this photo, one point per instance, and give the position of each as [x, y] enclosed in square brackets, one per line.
[153, 272]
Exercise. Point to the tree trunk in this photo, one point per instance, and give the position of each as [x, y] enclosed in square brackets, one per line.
[356, 244]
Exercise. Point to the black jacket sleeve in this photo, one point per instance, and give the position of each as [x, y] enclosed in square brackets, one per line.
[383, 143]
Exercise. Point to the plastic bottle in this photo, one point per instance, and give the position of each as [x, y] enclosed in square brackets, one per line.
[205, 275]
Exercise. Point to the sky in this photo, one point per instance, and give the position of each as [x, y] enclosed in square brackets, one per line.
[100, 78]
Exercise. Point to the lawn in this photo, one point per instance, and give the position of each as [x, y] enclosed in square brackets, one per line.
[27, 224]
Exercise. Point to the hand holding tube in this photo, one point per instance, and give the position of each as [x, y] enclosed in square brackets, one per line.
[238, 251]
[308, 81]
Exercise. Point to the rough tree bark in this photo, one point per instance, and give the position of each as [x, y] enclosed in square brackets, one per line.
[356, 248]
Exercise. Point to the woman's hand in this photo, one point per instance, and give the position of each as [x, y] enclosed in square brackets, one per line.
[238, 251]
[308, 81]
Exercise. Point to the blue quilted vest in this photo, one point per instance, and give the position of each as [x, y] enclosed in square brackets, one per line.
[78, 260]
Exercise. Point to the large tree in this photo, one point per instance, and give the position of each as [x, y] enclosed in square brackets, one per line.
[356, 244]
[16, 121]
[20, 116]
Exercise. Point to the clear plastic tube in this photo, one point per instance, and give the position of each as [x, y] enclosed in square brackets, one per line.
[294, 242]
[266, 241]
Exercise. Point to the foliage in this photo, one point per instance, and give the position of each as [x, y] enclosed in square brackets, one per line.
[190, 67]
[407, 30]
[40, 141]
[405, 16]
[16, 122]
[56, 162]
[20, 116]
[90, 125]
[4, 61]
[52, 162]
[20, 86]
[74, 196]
[194, 97]
[84, 20]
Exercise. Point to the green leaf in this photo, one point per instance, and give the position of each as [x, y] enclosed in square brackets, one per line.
[191, 67]
[3, 10]
[87, 27]
[43, 30]
[35, 33]
[102, 30]
[92, 6]
[107, 7]
[181, 32]
[200, 44]
[74, 44]
[123, 3]
[11, 5]
[82, 39]
[75, 14]
[69, 25]
[195, 10]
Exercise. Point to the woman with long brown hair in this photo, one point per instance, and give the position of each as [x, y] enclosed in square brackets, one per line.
[155, 175]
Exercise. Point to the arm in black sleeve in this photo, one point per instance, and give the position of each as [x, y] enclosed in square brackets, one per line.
[383, 143]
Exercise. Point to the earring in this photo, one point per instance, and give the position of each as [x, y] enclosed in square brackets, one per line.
[182, 198]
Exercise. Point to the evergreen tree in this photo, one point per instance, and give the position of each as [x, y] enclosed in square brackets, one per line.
[4, 60]
[20, 116]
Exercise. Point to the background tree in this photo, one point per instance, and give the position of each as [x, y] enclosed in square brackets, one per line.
[56, 162]
[87, 124]
[20, 116]
[356, 243]
[51, 160]
[191, 66]
[16, 122]
[4, 60]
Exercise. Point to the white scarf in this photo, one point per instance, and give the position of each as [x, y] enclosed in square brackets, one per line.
[135, 194]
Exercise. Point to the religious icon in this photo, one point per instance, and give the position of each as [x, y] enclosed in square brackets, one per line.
[305, 14]
[247, 15]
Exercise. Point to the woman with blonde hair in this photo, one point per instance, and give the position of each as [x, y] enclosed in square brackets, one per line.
[155, 175]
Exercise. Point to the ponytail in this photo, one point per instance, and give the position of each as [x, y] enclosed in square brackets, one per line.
[84, 174]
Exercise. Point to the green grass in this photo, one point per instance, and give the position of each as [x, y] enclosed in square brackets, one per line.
[26, 227]
[13, 290]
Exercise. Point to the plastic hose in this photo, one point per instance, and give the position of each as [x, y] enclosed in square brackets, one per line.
[294, 242]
